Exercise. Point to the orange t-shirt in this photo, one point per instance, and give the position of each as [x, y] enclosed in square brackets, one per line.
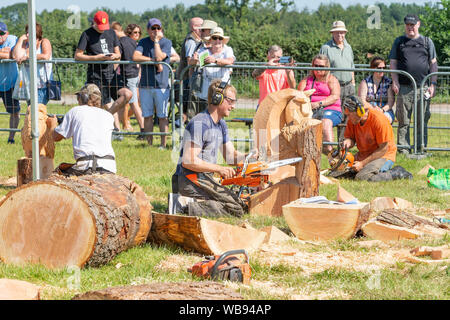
[375, 131]
[272, 80]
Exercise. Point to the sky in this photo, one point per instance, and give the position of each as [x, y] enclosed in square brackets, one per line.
[89, 5]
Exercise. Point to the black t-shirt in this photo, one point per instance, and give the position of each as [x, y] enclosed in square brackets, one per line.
[127, 47]
[413, 56]
[94, 43]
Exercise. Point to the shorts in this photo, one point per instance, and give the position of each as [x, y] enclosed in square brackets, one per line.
[11, 105]
[132, 84]
[154, 98]
[333, 115]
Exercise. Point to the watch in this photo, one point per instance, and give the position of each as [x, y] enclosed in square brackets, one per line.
[156, 42]
[320, 104]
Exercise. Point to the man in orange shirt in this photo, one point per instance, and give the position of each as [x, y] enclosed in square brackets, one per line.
[374, 137]
[272, 80]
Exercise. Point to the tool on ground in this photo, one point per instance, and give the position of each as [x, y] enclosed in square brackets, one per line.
[442, 220]
[227, 266]
[341, 162]
[256, 173]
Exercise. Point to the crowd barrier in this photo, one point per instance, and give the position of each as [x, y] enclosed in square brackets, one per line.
[73, 77]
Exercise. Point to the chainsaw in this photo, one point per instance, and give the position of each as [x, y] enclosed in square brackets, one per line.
[341, 162]
[224, 267]
[255, 174]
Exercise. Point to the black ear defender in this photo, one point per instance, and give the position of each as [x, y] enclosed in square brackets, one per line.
[360, 111]
[84, 97]
[218, 96]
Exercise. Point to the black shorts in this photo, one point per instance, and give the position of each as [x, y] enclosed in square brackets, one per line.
[109, 88]
[11, 105]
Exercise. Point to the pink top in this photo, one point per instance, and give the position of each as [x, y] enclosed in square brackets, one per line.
[272, 80]
[322, 91]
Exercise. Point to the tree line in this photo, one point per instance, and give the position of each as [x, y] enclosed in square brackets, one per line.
[255, 25]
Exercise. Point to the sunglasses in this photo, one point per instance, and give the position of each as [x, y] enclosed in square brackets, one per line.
[156, 28]
[136, 32]
[380, 67]
[230, 100]
[216, 38]
[2, 33]
[319, 66]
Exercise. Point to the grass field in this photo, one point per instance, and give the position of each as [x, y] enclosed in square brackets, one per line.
[294, 270]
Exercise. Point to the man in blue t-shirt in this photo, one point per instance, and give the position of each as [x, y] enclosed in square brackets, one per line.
[8, 76]
[154, 89]
[204, 136]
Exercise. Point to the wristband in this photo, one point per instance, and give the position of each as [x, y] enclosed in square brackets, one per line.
[156, 42]
[434, 82]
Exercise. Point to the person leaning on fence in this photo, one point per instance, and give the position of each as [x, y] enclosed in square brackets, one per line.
[8, 76]
[371, 132]
[273, 80]
[204, 136]
[21, 54]
[416, 55]
[129, 73]
[90, 126]
[100, 43]
[219, 54]
[154, 87]
[377, 89]
[325, 101]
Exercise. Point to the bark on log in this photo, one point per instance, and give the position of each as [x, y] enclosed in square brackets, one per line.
[202, 235]
[205, 290]
[403, 219]
[325, 221]
[84, 221]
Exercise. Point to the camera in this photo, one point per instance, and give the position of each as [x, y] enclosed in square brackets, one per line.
[285, 60]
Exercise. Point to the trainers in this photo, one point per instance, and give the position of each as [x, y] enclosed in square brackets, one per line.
[115, 136]
[11, 141]
[162, 148]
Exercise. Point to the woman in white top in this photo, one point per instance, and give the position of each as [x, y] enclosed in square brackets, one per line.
[21, 53]
[218, 53]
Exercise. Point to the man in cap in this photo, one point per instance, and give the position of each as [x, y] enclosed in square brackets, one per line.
[154, 87]
[8, 76]
[416, 55]
[90, 126]
[100, 43]
[371, 132]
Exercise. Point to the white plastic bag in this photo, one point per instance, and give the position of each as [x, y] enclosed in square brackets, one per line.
[22, 86]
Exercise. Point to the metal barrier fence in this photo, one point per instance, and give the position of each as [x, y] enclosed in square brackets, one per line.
[248, 93]
[73, 76]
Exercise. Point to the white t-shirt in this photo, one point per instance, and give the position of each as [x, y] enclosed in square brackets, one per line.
[211, 73]
[90, 129]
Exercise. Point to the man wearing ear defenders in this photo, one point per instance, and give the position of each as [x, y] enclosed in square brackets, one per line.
[372, 133]
[204, 136]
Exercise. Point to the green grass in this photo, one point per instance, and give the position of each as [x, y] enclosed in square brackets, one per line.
[152, 169]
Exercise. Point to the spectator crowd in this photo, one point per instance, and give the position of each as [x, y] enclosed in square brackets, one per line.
[145, 85]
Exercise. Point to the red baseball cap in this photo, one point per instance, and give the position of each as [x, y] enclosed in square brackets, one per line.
[101, 20]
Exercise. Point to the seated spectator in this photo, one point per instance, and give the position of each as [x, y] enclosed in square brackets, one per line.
[8, 76]
[325, 101]
[21, 53]
[272, 80]
[377, 89]
[219, 54]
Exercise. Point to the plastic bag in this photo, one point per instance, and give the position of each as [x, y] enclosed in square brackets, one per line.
[439, 178]
[22, 86]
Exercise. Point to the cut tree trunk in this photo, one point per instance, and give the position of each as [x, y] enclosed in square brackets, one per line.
[387, 232]
[205, 290]
[202, 235]
[79, 221]
[11, 289]
[25, 169]
[325, 221]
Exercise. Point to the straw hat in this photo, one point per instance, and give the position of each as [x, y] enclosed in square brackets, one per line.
[338, 26]
[207, 24]
[218, 31]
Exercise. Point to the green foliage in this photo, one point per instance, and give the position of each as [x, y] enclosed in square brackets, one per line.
[437, 24]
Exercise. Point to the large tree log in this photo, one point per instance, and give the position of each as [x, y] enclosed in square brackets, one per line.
[84, 221]
[325, 221]
[202, 235]
[25, 169]
[205, 290]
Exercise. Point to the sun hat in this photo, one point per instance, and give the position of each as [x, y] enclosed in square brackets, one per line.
[207, 24]
[218, 31]
[102, 20]
[338, 26]
[153, 22]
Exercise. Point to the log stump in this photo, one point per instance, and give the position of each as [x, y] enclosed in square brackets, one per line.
[77, 221]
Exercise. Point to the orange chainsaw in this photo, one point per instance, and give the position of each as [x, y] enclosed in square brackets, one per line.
[256, 173]
[341, 162]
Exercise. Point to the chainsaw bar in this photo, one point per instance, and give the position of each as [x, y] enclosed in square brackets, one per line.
[276, 164]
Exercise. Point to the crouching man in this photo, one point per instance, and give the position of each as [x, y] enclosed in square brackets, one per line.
[90, 127]
[372, 133]
[204, 135]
